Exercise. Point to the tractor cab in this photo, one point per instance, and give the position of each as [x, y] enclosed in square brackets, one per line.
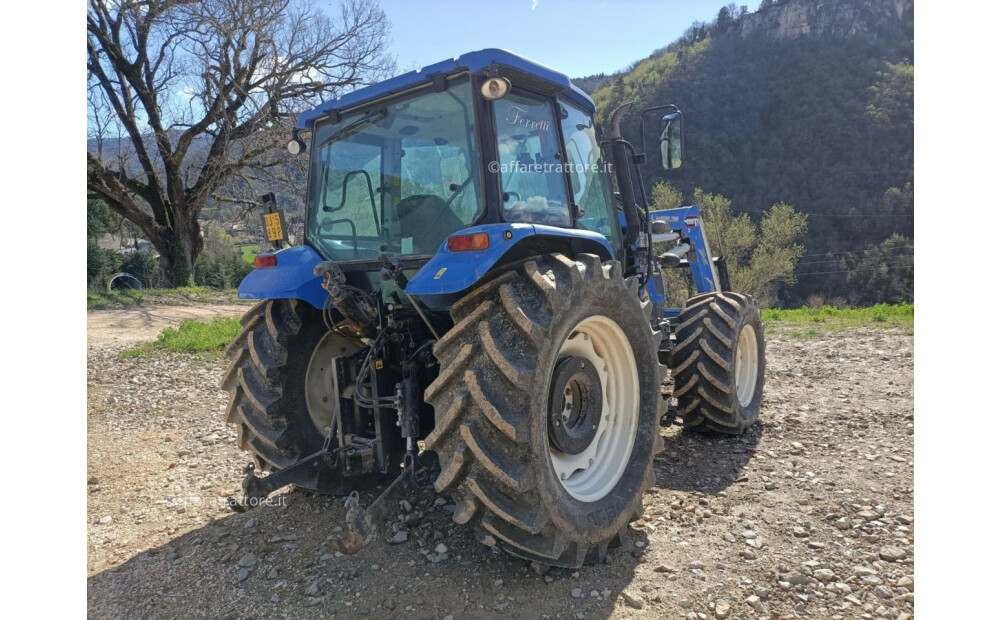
[490, 137]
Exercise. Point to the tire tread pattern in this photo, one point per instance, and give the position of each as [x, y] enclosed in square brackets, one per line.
[700, 362]
[487, 362]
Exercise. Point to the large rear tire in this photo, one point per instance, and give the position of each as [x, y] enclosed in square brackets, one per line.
[498, 419]
[717, 363]
[280, 388]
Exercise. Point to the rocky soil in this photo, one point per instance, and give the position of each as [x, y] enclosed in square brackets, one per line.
[810, 515]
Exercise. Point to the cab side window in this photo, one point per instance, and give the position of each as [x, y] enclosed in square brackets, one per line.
[588, 179]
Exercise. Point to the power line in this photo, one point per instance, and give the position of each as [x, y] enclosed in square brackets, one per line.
[910, 247]
[837, 260]
[823, 273]
[829, 214]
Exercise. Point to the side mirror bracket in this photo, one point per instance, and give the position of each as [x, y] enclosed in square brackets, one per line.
[671, 135]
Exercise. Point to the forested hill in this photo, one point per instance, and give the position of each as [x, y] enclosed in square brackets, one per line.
[805, 102]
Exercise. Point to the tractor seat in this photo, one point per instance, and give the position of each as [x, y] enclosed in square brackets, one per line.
[428, 220]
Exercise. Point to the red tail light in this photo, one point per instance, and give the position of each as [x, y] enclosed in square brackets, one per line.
[265, 260]
[468, 243]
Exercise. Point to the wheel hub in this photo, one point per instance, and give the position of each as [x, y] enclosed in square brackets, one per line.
[597, 345]
[321, 401]
[747, 361]
[575, 404]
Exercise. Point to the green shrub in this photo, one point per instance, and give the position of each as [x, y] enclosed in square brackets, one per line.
[145, 266]
[101, 265]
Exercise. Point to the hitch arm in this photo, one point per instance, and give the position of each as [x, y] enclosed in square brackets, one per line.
[257, 488]
[361, 524]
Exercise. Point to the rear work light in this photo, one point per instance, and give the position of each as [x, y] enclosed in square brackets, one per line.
[265, 260]
[468, 243]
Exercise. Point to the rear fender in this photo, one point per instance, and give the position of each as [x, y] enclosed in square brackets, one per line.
[449, 273]
[292, 278]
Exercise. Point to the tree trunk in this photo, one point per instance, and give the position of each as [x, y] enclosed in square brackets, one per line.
[183, 247]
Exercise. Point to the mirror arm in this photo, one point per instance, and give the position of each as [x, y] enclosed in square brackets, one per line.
[642, 122]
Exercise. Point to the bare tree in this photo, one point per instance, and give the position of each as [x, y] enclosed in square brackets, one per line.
[186, 97]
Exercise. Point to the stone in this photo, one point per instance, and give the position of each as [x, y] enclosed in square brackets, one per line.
[248, 560]
[576, 593]
[722, 609]
[399, 537]
[633, 601]
[243, 574]
[892, 554]
[906, 582]
[824, 574]
[540, 569]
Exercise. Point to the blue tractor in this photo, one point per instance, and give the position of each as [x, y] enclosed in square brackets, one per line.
[482, 279]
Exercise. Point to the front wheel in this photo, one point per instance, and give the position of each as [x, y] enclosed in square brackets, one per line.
[547, 409]
[718, 363]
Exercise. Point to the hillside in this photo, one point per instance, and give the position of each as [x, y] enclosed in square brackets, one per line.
[803, 102]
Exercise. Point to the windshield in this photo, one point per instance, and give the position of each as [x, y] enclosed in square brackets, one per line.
[396, 179]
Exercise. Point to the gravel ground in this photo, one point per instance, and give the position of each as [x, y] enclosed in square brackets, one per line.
[810, 515]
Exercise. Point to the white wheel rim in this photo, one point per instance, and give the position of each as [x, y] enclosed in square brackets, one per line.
[593, 473]
[319, 379]
[746, 365]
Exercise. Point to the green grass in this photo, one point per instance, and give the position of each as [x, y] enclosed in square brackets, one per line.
[813, 322]
[249, 251]
[185, 296]
[191, 337]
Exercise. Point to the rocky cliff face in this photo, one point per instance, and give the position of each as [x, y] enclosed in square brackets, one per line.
[789, 19]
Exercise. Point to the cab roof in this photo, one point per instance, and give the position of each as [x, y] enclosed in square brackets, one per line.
[473, 62]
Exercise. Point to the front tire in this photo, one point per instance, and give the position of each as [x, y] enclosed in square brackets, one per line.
[718, 363]
[535, 495]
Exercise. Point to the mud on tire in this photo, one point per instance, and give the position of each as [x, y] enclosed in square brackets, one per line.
[490, 403]
[704, 363]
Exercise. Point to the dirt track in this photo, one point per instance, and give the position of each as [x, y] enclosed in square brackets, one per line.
[128, 326]
[810, 515]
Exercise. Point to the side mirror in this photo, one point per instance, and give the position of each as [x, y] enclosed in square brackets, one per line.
[671, 141]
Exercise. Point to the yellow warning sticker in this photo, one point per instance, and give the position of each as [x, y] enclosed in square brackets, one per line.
[437, 276]
[379, 364]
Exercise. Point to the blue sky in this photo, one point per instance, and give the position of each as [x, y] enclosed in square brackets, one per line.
[576, 38]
